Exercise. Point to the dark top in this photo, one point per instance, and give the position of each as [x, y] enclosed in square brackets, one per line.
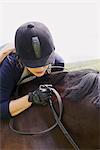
[10, 73]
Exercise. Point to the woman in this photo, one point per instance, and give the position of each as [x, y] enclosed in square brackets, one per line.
[35, 52]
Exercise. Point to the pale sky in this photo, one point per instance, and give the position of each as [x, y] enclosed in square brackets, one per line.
[74, 24]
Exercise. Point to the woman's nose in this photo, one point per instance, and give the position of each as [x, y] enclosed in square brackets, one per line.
[41, 68]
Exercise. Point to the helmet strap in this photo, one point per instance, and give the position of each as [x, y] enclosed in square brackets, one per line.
[49, 68]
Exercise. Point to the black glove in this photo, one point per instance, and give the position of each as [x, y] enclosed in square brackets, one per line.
[40, 97]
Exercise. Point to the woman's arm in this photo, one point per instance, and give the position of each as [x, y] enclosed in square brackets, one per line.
[9, 76]
[19, 105]
[6, 50]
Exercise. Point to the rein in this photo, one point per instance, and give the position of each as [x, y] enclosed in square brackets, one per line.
[57, 118]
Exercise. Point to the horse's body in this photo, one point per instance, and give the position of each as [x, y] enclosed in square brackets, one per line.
[81, 119]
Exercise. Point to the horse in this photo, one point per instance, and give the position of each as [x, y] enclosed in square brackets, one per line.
[80, 115]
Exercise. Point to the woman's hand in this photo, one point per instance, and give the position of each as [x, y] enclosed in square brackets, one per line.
[40, 97]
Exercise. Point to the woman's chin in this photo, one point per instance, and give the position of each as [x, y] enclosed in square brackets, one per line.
[39, 74]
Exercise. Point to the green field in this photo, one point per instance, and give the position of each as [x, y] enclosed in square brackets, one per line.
[91, 64]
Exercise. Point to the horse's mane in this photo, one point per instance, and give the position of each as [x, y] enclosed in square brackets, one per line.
[75, 85]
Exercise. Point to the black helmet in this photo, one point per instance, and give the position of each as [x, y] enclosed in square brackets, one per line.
[34, 45]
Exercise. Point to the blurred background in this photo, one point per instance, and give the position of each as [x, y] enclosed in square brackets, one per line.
[74, 24]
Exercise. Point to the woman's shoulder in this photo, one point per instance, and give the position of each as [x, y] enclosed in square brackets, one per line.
[11, 66]
[58, 58]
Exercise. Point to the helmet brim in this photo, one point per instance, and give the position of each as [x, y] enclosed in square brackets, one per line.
[40, 62]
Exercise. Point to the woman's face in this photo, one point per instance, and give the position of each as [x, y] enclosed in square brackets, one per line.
[38, 71]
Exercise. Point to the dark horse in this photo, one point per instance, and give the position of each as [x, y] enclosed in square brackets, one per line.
[80, 93]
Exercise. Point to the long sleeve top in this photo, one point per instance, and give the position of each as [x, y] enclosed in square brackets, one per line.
[10, 74]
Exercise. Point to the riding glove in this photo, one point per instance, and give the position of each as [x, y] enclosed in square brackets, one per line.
[40, 97]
